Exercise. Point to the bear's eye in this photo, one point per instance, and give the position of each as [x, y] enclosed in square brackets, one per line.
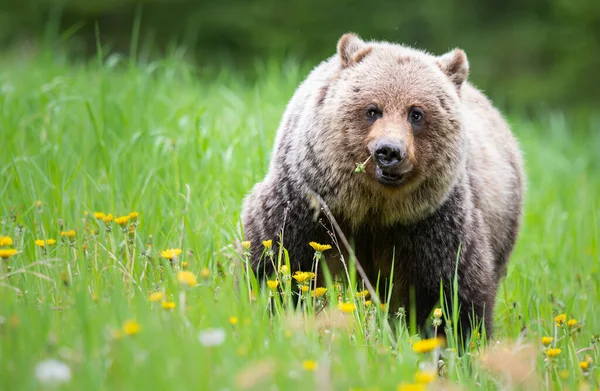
[373, 113]
[416, 116]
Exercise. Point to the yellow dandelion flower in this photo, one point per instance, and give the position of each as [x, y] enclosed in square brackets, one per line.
[368, 303]
[170, 253]
[584, 365]
[304, 288]
[184, 265]
[427, 345]
[40, 242]
[5, 241]
[156, 296]
[7, 252]
[320, 291]
[346, 307]
[233, 320]
[411, 387]
[50, 242]
[437, 313]
[99, 215]
[131, 327]
[205, 272]
[168, 305]
[133, 215]
[319, 247]
[309, 365]
[68, 234]
[186, 278]
[272, 284]
[362, 294]
[303, 276]
[572, 322]
[284, 269]
[553, 352]
[268, 244]
[425, 377]
[560, 319]
[547, 340]
[246, 245]
[108, 218]
[122, 220]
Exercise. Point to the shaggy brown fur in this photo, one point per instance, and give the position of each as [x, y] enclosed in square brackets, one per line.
[455, 179]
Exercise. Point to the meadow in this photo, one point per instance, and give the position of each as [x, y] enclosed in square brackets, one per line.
[106, 165]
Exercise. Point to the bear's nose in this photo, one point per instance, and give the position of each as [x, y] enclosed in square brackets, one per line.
[389, 155]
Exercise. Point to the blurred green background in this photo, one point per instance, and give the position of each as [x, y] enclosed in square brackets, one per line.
[527, 55]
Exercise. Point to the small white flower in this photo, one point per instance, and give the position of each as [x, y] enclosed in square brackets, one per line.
[52, 371]
[211, 337]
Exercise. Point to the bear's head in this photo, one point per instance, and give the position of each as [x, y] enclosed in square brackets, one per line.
[398, 109]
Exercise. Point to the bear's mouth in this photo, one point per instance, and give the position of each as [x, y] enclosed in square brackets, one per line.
[389, 178]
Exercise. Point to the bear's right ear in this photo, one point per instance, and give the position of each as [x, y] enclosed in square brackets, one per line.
[351, 49]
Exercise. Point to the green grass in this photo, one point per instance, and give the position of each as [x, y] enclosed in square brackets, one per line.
[183, 149]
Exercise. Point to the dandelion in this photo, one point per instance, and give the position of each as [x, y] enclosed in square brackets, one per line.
[427, 345]
[309, 365]
[52, 372]
[268, 244]
[170, 253]
[122, 220]
[68, 234]
[424, 377]
[184, 265]
[272, 284]
[50, 242]
[205, 272]
[40, 242]
[553, 352]
[437, 313]
[99, 215]
[211, 337]
[156, 296]
[319, 247]
[368, 303]
[131, 327]
[560, 319]
[346, 307]
[7, 252]
[233, 320]
[246, 245]
[572, 322]
[186, 278]
[304, 288]
[5, 241]
[303, 276]
[168, 305]
[411, 387]
[320, 291]
[547, 340]
[584, 365]
[44, 243]
[362, 294]
[108, 218]
[133, 216]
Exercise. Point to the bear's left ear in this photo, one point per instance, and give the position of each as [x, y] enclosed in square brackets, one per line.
[455, 65]
[351, 49]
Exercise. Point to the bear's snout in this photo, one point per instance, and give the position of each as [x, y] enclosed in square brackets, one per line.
[389, 153]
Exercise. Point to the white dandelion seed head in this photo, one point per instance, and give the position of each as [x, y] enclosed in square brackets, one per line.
[211, 337]
[52, 371]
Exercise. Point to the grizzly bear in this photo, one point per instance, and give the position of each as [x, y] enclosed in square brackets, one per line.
[443, 180]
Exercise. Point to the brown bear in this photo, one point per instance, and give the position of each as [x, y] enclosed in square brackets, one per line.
[443, 180]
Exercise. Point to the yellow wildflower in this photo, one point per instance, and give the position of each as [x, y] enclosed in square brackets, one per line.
[272, 284]
[156, 296]
[362, 294]
[44, 243]
[168, 305]
[547, 340]
[38, 204]
[131, 327]
[205, 272]
[346, 307]
[68, 234]
[309, 365]
[411, 387]
[553, 352]
[184, 265]
[170, 253]
[319, 247]
[572, 322]
[186, 278]
[108, 218]
[233, 320]
[246, 245]
[427, 345]
[424, 377]
[40, 242]
[5, 241]
[284, 269]
[7, 252]
[268, 244]
[304, 288]
[560, 319]
[368, 303]
[584, 365]
[383, 306]
[50, 242]
[303, 276]
[320, 291]
[437, 313]
[133, 215]
[122, 220]
[99, 215]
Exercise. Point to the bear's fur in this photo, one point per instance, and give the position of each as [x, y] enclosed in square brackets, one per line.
[460, 184]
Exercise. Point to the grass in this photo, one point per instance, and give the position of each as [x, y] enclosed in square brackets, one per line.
[183, 149]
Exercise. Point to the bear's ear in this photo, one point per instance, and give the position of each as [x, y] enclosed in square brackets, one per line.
[455, 65]
[351, 49]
